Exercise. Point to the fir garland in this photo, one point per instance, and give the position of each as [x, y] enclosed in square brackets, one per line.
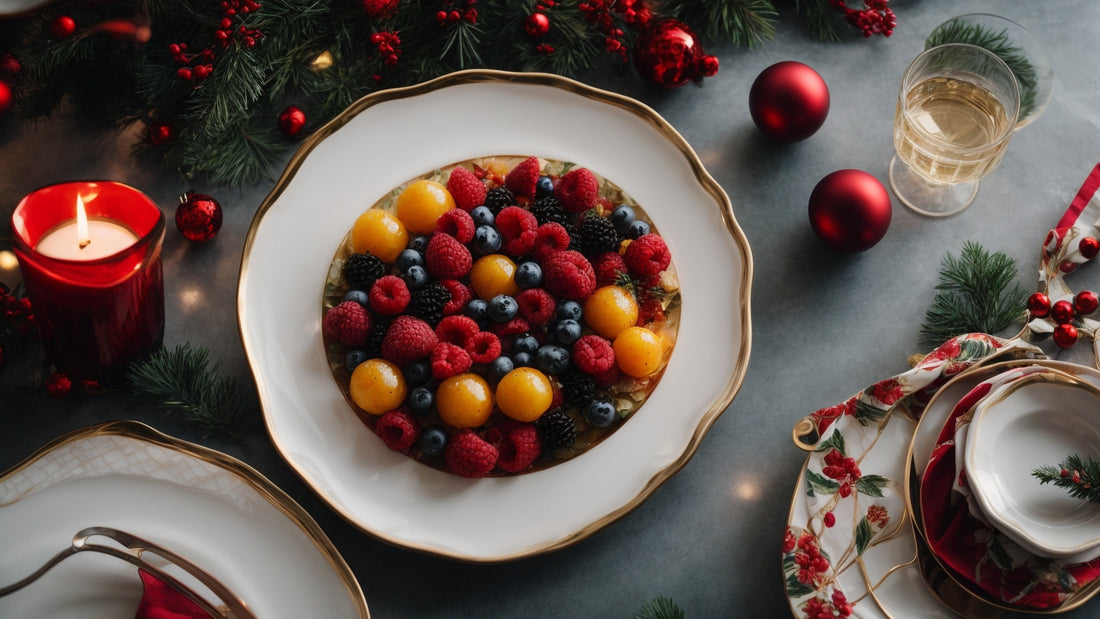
[1076, 474]
[661, 608]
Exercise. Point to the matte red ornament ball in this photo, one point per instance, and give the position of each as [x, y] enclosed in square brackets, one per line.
[536, 25]
[292, 120]
[789, 101]
[7, 98]
[1062, 312]
[1039, 305]
[668, 54]
[850, 210]
[1065, 335]
[1086, 302]
[198, 216]
[62, 26]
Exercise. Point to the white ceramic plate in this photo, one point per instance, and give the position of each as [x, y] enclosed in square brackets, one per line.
[207, 507]
[390, 137]
[1032, 422]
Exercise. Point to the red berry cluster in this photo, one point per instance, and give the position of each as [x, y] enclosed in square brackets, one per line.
[453, 12]
[1064, 312]
[18, 313]
[634, 12]
[875, 18]
[599, 13]
[197, 67]
[388, 44]
[379, 9]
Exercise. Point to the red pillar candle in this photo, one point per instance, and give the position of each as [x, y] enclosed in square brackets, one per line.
[97, 291]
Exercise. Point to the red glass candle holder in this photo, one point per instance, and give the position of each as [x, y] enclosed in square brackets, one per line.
[95, 315]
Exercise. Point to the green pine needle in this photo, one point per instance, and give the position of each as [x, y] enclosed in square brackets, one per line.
[1084, 487]
[823, 20]
[740, 22]
[978, 292]
[661, 608]
[182, 381]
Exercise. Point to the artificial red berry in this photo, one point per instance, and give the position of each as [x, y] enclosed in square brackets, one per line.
[1062, 312]
[58, 385]
[1089, 247]
[1039, 305]
[1067, 267]
[1085, 302]
[1065, 335]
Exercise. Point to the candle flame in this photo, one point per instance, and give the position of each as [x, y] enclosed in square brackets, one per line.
[83, 238]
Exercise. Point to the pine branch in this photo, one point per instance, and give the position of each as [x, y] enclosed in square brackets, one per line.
[661, 608]
[740, 22]
[823, 21]
[978, 293]
[1076, 475]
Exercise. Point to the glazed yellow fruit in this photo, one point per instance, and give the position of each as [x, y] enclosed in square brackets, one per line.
[464, 401]
[638, 351]
[377, 386]
[421, 203]
[524, 394]
[610, 310]
[380, 234]
[492, 275]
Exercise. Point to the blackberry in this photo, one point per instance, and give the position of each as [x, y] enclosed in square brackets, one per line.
[498, 198]
[595, 235]
[556, 429]
[427, 302]
[547, 209]
[360, 271]
[378, 330]
[577, 388]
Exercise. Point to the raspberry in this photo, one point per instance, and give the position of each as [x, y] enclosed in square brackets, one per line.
[348, 323]
[519, 446]
[523, 179]
[577, 190]
[536, 306]
[360, 270]
[608, 267]
[399, 430]
[469, 455]
[460, 296]
[449, 360]
[466, 188]
[568, 275]
[407, 340]
[456, 330]
[389, 296]
[647, 255]
[517, 230]
[446, 258]
[514, 326]
[457, 223]
[549, 238]
[593, 355]
[483, 347]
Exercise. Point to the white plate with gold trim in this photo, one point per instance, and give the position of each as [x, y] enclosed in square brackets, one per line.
[390, 137]
[201, 504]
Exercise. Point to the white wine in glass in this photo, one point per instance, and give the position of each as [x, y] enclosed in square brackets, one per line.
[956, 112]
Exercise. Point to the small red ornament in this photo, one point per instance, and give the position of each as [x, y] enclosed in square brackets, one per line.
[1062, 312]
[850, 210]
[789, 101]
[160, 132]
[62, 26]
[292, 120]
[1089, 247]
[1039, 305]
[198, 216]
[379, 9]
[536, 25]
[58, 385]
[1065, 335]
[9, 67]
[1086, 302]
[668, 54]
[7, 98]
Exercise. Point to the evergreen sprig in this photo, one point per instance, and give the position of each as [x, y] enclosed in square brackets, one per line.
[1076, 474]
[978, 292]
[661, 608]
[182, 381]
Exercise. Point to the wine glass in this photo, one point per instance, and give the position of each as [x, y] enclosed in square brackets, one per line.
[957, 109]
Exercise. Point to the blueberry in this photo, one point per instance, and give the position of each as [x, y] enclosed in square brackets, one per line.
[521, 359]
[409, 258]
[478, 309]
[622, 217]
[637, 229]
[486, 240]
[544, 186]
[528, 275]
[417, 373]
[567, 331]
[360, 297]
[483, 216]
[600, 413]
[499, 367]
[421, 400]
[552, 359]
[415, 277]
[354, 357]
[419, 243]
[525, 343]
[432, 440]
[569, 309]
[503, 308]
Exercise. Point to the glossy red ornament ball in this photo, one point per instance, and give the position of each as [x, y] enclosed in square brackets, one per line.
[198, 216]
[1062, 312]
[668, 54]
[292, 120]
[62, 26]
[536, 25]
[160, 132]
[850, 210]
[1039, 305]
[789, 101]
[7, 98]
[1086, 302]
[1065, 335]
[1089, 247]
